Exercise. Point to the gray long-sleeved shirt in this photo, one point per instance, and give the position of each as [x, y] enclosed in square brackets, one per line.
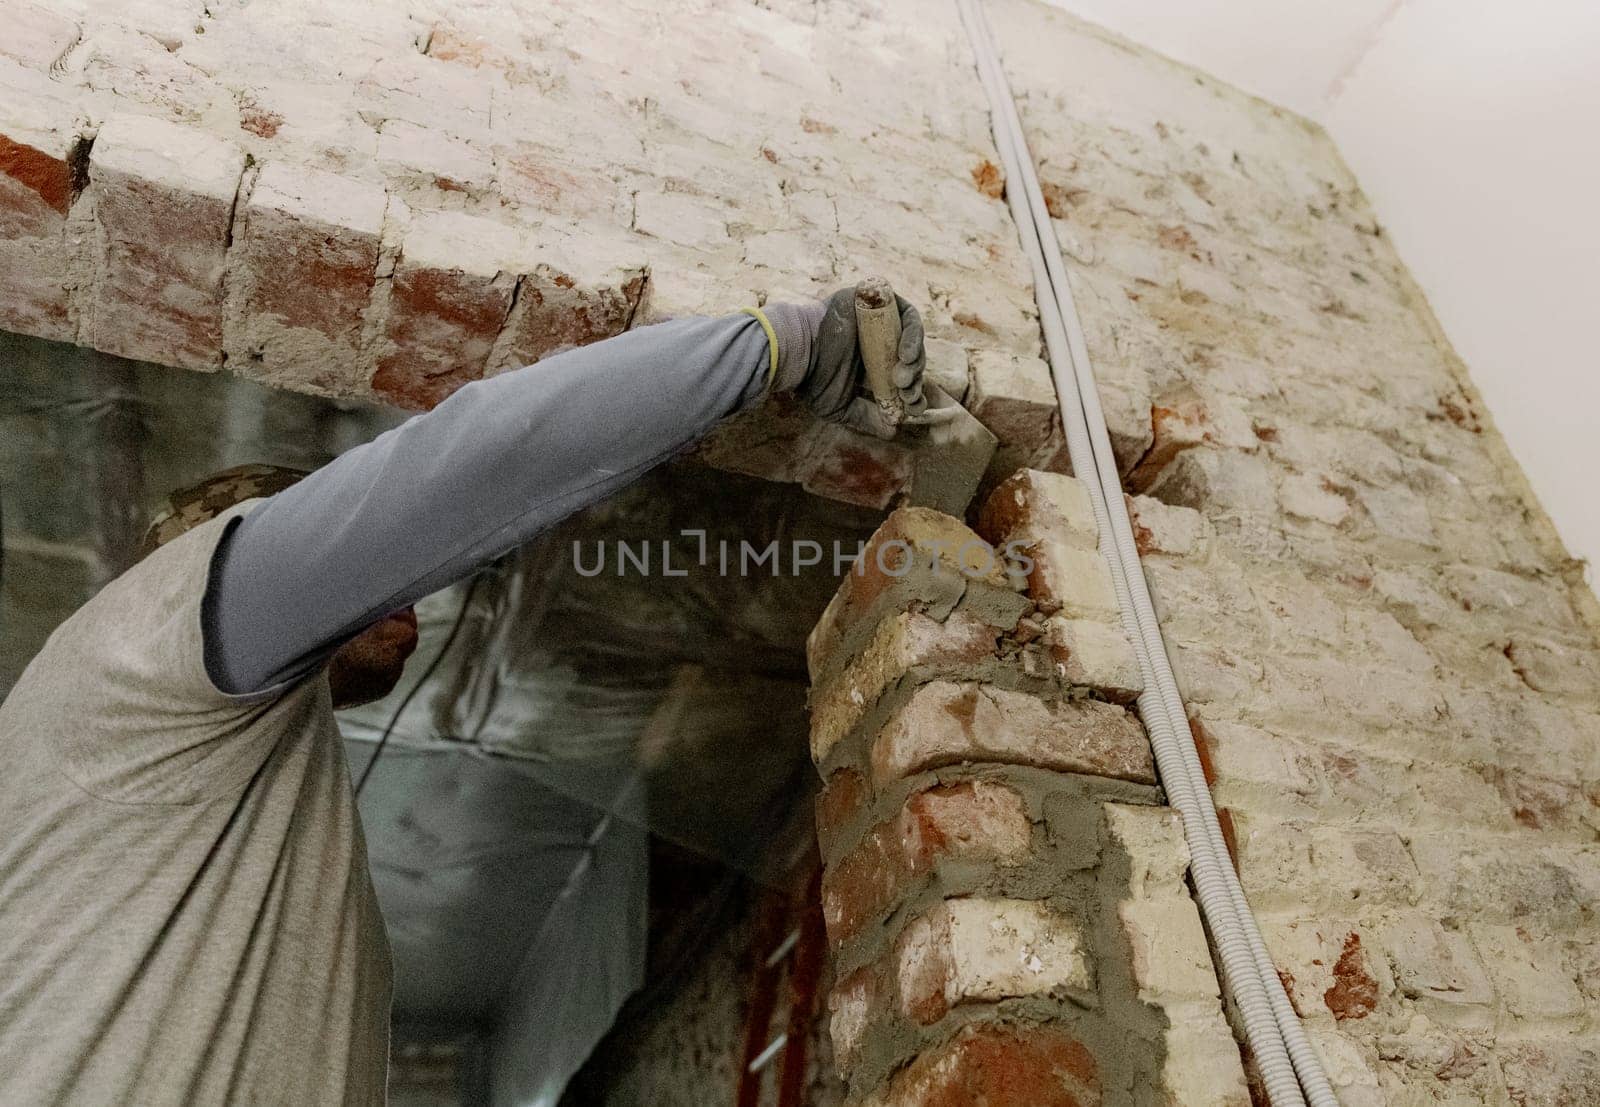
[499, 461]
[186, 912]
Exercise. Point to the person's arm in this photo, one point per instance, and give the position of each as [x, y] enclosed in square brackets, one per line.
[499, 461]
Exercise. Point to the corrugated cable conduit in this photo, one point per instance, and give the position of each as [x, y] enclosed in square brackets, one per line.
[1289, 1068]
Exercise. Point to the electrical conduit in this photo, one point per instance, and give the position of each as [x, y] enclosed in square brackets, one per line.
[1289, 1068]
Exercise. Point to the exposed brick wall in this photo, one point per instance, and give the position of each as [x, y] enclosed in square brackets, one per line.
[370, 198]
[725, 984]
[1391, 664]
[1003, 896]
[1374, 627]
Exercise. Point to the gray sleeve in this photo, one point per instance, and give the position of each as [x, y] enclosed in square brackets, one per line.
[502, 459]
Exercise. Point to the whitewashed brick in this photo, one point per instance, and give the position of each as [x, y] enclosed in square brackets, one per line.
[681, 218]
[1077, 580]
[1439, 970]
[1160, 528]
[1089, 653]
[1244, 756]
[1013, 396]
[35, 36]
[987, 950]
[1170, 958]
[1310, 496]
[1210, 480]
[1152, 838]
[1530, 974]
[1201, 1067]
[1352, 1079]
[947, 366]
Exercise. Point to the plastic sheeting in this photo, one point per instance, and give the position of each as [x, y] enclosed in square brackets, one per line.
[509, 907]
[574, 713]
[695, 683]
[88, 446]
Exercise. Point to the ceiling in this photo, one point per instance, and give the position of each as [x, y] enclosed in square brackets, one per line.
[1295, 53]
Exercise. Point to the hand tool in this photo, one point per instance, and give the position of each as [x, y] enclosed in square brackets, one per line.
[951, 450]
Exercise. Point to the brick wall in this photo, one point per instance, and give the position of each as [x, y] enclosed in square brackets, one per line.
[1003, 894]
[1387, 652]
[370, 198]
[1390, 659]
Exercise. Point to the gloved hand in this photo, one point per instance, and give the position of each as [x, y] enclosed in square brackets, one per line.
[835, 384]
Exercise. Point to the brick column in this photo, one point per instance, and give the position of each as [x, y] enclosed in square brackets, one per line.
[1003, 894]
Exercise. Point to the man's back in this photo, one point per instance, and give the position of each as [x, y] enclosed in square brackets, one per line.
[186, 914]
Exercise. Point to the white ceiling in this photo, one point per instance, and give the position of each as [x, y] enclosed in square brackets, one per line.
[1292, 52]
[1472, 126]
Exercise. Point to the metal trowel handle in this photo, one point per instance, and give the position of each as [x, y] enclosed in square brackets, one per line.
[878, 332]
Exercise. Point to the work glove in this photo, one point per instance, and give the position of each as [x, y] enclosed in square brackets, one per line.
[835, 384]
[832, 379]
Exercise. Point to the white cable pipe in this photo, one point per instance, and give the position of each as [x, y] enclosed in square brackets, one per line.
[1183, 779]
[1240, 975]
[1164, 706]
[1284, 1057]
[1176, 759]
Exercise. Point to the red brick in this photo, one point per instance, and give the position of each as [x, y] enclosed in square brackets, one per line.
[899, 646]
[991, 181]
[37, 179]
[38, 189]
[947, 723]
[448, 301]
[1178, 423]
[1354, 992]
[164, 197]
[1050, 517]
[855, 469]
[33, 293]
[1230, 836]
[1031, 506]
[442, 329]
[303, 265]
[992, 1064]
[841, 800]
[918, 558]
[562, 305]
[771, 441]
[974, 820]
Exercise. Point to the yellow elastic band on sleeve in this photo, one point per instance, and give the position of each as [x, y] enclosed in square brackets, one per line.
[772, 342]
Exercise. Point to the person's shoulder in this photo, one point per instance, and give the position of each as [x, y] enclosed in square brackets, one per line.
[119, 700]
[172, 575]
[144, 625]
